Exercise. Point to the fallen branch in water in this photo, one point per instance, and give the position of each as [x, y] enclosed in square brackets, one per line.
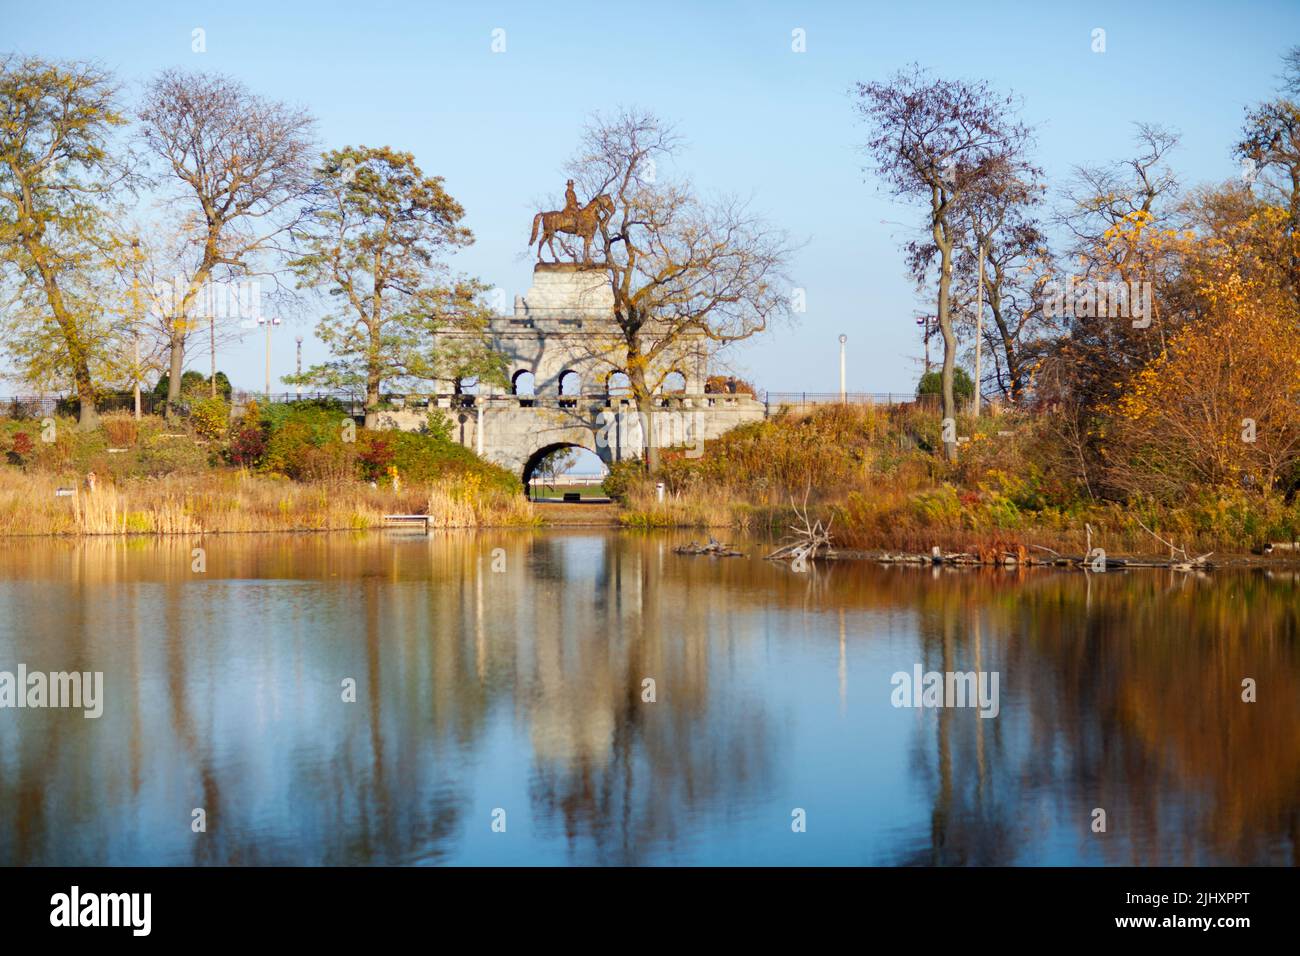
[714, 548]
[1010, 559]
[1187, 563]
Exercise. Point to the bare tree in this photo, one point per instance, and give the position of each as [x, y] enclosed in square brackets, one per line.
[683, 269]
[1017, 264]
[935, 141]
[241, 165]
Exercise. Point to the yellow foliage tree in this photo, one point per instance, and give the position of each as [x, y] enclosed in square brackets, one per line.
[1221, 404]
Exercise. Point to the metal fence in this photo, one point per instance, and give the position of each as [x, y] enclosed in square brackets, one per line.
[801, 400]
[353, 405]
[42, 406]
[39, 406]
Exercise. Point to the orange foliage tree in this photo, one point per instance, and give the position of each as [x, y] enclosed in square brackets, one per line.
[1221, 404]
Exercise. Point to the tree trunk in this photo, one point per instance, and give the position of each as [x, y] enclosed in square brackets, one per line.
[1015, 371]
[175, 370]
[374, 368]
[645, 407]
[949, 346]
[87, 414]
[372, 401]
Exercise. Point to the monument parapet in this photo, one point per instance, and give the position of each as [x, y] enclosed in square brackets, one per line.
[567, 290]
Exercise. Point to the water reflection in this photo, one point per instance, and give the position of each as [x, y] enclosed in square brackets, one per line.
[507, 671]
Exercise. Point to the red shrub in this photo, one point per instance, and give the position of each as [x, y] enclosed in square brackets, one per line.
[247, 445]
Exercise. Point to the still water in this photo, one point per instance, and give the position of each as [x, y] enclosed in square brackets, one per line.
[501, 677]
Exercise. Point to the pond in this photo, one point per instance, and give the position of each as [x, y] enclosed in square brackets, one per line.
[590, 697]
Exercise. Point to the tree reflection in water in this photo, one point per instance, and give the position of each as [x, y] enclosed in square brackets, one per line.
[523, 688]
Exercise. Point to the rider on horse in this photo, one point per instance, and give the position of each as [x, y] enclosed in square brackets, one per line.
[574, 220]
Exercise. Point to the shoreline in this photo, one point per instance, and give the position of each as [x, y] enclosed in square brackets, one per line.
[884, 557]
[1127, 561]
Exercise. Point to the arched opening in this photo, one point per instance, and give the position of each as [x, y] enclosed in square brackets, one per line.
[618, 384]
[565, 472]
[674, 383]
[523, 383]
[570, 383]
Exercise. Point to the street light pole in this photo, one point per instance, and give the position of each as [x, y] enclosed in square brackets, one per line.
[135, 330]
[212, 347]
[299, 376]
[268, 322]
[843, 394]
[135, 369]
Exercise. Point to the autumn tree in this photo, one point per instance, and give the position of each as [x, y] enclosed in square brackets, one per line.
[1124, 229]
[56, 176]
[1221, 405]
[374, 242]
[240, 167]
[1270, 152]
[935, 142]
[686, 272]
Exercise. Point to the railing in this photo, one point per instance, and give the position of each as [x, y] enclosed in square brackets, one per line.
[43, 406]
[700, 400]
[576, 481]
[800, 400]
[353, 404]
[36, 406]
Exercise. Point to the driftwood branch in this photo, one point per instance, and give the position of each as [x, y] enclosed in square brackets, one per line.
[809, 537]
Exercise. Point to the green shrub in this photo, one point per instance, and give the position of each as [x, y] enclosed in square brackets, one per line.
[931, 383]
[438, 425]
[623, 475]
[161, 456]
[296, 430]
[210, 418]
[422, 458]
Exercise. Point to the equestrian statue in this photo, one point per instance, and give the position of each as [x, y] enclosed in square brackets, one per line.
[573, 220]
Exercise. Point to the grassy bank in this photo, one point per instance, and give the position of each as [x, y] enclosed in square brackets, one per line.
[288, 469]
[241, 501]
[875, 473]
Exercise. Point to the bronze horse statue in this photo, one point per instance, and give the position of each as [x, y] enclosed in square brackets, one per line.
[576, 222]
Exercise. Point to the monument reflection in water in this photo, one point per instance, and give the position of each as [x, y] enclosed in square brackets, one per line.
[524, 690]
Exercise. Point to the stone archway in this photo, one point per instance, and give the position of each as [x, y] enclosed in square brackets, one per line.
[540, 454]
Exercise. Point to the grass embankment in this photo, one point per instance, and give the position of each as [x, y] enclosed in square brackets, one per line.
[875, 473]
[291, 468]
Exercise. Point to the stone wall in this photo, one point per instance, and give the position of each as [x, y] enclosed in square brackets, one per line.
[512, 432]
[564, 324]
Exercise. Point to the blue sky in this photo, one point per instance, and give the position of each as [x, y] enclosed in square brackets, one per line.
[759, 120]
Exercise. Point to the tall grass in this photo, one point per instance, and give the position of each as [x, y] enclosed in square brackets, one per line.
[469, 503]
[236, 501]
[683, 509]
[877, 474]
